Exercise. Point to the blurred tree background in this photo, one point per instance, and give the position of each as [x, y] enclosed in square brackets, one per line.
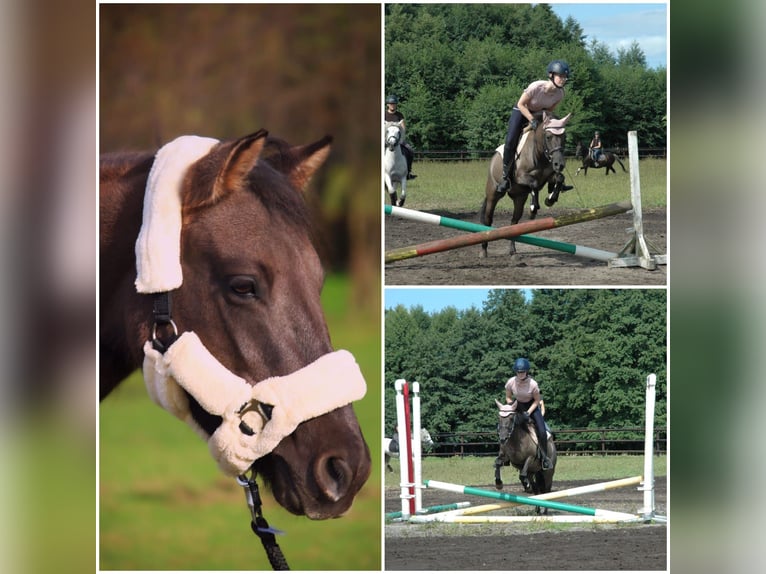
[224, 71]
[589, 349]
[458, 70]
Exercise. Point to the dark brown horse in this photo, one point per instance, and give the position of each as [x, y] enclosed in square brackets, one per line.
[520, 449]
[541, 161]
[607, 160]
[250, 291]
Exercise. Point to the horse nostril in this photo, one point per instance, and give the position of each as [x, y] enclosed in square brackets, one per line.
[333, 477]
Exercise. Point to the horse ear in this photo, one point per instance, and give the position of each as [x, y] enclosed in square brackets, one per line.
[565, 119]
[240, 162]
[308, 159]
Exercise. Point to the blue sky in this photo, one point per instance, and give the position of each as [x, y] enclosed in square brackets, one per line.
[434, 299]
[618, 25]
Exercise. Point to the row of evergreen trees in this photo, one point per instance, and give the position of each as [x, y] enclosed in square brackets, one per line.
[458, 69]
[590, 350]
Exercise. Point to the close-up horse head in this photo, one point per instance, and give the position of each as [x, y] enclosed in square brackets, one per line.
[226, 313]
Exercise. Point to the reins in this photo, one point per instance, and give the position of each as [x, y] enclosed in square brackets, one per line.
[162, 313]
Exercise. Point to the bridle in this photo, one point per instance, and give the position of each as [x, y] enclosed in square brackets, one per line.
[394, 140]
[547, 152]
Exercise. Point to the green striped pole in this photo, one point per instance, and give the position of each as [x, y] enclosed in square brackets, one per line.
[432, 509]
[522, 499]
[573, 249]
[507, 232]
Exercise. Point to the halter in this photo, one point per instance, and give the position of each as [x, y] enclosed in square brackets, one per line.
[255, 418]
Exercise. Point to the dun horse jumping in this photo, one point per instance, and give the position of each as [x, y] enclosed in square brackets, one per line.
[541, 161]
[518, 447]
[210, 280]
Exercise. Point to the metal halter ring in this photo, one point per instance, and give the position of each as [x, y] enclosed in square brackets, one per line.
[172, 324]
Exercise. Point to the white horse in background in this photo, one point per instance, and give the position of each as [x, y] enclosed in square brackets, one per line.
[391, 446]
[394, 162]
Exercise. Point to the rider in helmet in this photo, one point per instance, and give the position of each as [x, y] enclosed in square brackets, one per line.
[394, 115]
[523, 392]
[542, 95]
[596, 151]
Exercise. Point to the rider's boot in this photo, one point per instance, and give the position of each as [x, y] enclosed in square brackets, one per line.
[547, 463]
[508, 165]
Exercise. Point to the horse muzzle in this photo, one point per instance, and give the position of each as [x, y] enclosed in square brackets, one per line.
[313, 473]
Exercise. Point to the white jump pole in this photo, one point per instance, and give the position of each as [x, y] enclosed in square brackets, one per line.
[417, 446]
[648, 487]
[404, 451]
[637, 252]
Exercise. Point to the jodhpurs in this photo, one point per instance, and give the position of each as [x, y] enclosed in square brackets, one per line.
[516, 122]
[537, 417]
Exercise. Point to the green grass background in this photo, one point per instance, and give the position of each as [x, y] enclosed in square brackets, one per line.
[163, 504]
[459, 186]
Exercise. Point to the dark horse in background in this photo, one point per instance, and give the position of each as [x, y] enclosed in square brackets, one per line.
[541, 162]
[519, 448]
[251, 292]
[607, 160]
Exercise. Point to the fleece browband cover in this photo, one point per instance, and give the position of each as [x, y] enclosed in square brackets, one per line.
[158, 248]
[332, 381]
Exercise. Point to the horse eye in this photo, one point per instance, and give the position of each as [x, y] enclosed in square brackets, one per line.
[243, 286]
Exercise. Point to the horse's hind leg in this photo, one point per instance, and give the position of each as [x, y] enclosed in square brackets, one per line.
[518, 211]
[487, 212]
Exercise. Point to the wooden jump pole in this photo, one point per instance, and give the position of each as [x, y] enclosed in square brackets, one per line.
[571, 248]
[526, 500]
[508, 232]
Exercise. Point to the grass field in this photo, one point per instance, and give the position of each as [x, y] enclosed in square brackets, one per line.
[165, 506]
[459, 186]
[473, 470]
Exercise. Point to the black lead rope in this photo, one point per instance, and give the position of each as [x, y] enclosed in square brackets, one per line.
[259, 525]
[164, 334]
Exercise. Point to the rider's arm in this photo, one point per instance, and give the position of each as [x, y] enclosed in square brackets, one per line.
[523, 105]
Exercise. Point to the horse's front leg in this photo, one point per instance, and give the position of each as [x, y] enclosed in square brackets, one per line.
[499, 461]
[390, 189]
[523, 476]
[534, 204]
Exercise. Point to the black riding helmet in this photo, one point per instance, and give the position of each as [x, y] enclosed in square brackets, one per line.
[558, 67]
[392, 100]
